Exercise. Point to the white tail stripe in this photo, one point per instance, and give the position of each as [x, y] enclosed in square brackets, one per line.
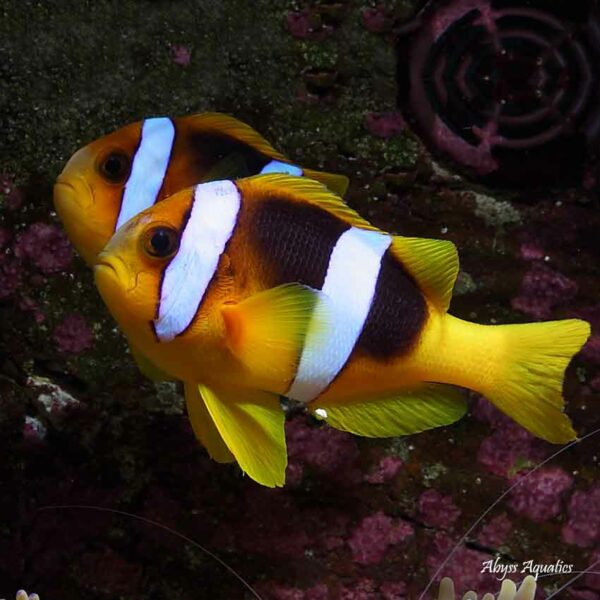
[348, 291]
[214, 214]
[148, 169]
[276, 166]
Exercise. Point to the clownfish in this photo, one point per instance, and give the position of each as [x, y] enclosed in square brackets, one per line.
[271, 286]
[112, 179]
[109, 181]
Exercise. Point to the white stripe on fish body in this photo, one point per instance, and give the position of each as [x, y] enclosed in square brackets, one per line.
[276, 166]
[348, 291]
[148, 169]
[211, 224]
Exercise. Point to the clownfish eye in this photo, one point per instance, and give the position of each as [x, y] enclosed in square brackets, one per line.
[115, 166]
[161, 242]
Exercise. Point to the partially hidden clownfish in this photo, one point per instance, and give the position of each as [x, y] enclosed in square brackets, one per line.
[112, 179]
[272, 286]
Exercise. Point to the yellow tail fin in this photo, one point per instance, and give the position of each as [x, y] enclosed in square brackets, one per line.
[338, 184]
[528, 384]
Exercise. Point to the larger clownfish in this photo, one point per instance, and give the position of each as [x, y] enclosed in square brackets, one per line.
[111, 180]
[272, 286]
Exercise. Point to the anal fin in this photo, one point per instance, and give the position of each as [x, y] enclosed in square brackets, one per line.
[251, 423]
[204, 427]
[394, 414]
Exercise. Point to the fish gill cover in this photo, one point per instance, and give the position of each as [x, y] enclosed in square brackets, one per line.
[507, 90]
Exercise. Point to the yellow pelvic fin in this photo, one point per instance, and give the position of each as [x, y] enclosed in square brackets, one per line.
[147, 367]
[266, 331]
[338, 184]
[251, 423]
[398, 413]
[433, 264]
[224, 124]
[528, 382]
[204, 427]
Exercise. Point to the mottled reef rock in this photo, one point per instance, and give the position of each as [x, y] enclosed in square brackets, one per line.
[359, 519]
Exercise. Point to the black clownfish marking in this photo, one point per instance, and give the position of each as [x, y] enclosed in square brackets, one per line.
[397, 315]
[296, 240]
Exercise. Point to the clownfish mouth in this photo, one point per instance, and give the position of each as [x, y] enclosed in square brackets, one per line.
[114, 268]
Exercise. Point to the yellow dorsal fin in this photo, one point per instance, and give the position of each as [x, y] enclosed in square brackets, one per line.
[399, 413]
[225, 124]
[203, 425]
[433, 263]
[266, 331]
[251, 423]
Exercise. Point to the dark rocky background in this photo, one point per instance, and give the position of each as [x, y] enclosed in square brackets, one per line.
[359, 519]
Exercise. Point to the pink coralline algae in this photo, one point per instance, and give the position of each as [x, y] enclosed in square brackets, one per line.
[374, 19]
[539, 495]
[583, 523]
[181, 55]
[592, 580]
[10, 276]
[328, 451]
[542, 289]
[274, 591]
[510, 446]
[385, 471]
[465, 566]
[437, 510]
[73, 335]
[384, 125]
[591, 350]
[532, 251]
[496, 532]
[300, 24]
[5, 236]
[46, 246]
[374, 534]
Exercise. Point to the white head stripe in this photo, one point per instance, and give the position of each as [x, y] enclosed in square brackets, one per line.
[148, 170]
[212, 221]
[349, 290]
[276, 166]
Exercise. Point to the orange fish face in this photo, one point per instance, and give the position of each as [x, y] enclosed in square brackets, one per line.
[89, 191]
[130, 269]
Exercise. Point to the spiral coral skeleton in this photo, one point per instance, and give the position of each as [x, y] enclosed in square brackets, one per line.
[504, 88]
[508, 591]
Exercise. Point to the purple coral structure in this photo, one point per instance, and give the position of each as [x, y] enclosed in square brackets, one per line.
[496, 532]
[543, 289]
[387, 468]
[510, 446]
[73, 335]
[384, 125]
[373, 536]
[486, 82]
[180, 55]
[46, 246]
[539, 495]
[583, 521]
[437, 510]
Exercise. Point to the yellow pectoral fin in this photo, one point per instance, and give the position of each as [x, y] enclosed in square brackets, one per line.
[148, 368]
[252, 425]
[204, 427]
[266, 331]
[399, 413]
